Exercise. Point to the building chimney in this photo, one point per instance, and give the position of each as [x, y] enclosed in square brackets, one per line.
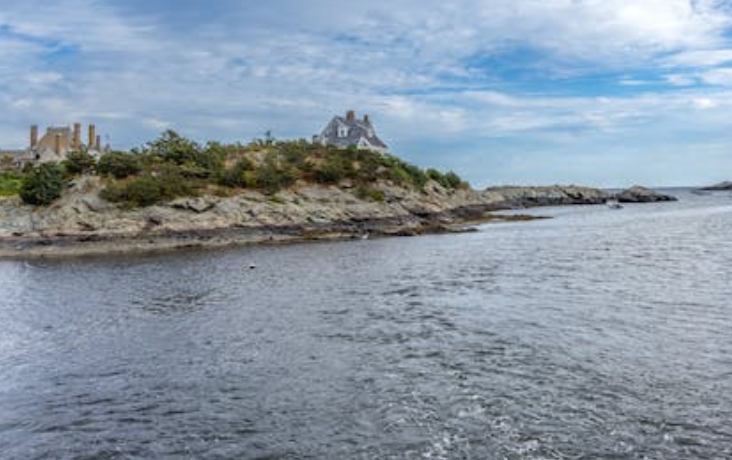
[76, 142]
[350, 115]
[33, 136]
[92, 136]
[366, 119]
[57, 144]
[98, 143]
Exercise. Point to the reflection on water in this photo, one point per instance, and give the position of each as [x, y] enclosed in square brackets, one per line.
[597, 334]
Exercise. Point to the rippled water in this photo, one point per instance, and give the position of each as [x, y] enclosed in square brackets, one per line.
[596, 334]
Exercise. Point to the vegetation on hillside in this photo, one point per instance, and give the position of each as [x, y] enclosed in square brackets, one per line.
[42, 184]
[173, 166]
[10, 182]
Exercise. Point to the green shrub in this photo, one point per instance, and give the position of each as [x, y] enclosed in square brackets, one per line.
[119, 165]
[367, 193]
[434, 175]
[149, 189]
[337, 166]
[79, 162]
[42, 184]
[417, 177]
[173, 148]
[10, 183]
[140, 191]
[294, 153]
[451, 180]
[236, 176]
[272, 177]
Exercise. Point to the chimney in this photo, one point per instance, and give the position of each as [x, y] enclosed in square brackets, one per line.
[92, 136]
[76, 142]
[98, 144]
[33, 136]
[366, 119]
[350, 115]
[57, 144]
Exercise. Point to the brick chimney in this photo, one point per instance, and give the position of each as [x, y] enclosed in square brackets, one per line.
[76, 141]
[33, 136]
[366, 119]
[92, 136]
[350, 115]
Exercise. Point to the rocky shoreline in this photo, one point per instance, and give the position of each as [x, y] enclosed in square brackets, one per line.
[81, 223]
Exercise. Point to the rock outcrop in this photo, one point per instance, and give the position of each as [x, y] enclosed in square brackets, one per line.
[638, 194]
[726, 185]
[304, 212]
[81, 222]
[555, 195]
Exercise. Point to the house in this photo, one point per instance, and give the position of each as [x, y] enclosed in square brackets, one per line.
[57, 142]
[53, 146]
[349, 131]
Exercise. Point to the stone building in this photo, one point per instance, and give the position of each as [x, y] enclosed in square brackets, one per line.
[349, 131]
[53, 145]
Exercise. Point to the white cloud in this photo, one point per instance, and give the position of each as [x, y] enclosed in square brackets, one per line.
[699, 58]
[427, 70]
[721, 76]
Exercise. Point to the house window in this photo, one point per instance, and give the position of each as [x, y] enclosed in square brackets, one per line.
[342, 131]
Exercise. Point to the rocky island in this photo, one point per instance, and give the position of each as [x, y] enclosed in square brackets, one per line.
[174, 193]
[726, 185]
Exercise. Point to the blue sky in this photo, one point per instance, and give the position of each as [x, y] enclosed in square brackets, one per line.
[596, 92]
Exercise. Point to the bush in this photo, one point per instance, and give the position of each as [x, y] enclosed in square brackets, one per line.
[271, 177]
[366, 193]
[173, 148]
[119, 165]
[449, 180]
[42, 184]
[148, 189]
[337, 166]
[417, 177]
[452, 181]
[141, 191]
[236, 176]
[79, 162]
[10, 183]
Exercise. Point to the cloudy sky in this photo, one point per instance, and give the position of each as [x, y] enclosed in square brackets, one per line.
[596, 92]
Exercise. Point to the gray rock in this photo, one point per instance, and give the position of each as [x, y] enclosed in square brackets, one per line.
[638, 194]
[726, 185]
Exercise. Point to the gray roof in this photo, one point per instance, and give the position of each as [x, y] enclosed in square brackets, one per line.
[355, 130]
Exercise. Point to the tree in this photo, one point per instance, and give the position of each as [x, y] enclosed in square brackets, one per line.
[174, 148]
[119, 164]
[42, 184]
[79, 162]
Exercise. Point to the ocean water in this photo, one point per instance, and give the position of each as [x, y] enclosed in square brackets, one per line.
[598, 334]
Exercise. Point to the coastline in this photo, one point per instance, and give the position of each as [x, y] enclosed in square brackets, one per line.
[82, 224]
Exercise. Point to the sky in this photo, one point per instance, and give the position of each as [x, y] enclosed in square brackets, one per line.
[605, 93]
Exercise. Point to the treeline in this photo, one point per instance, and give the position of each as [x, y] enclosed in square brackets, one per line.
[173, 166]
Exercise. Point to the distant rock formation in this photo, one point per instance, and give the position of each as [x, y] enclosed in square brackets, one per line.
[553, 195]
[559, 195]
[726, 185]
[638, 194]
